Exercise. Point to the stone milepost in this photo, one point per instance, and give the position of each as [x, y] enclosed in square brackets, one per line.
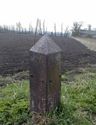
[45, 71]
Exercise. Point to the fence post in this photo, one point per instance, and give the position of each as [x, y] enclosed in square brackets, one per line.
[45, 63]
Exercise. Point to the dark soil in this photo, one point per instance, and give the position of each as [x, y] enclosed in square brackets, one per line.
[14, 52]
[75, 54]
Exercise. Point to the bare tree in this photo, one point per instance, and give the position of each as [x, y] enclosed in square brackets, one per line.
[66, 33]
[44, 27]
[89, 27]
[76, 28]
[1, 29]
[18, 26]
[61, 29]
[46, 30]
[12, 28]
[5, 28]
[30, 28]
[55, 29]
[40, 29]
[36, 30]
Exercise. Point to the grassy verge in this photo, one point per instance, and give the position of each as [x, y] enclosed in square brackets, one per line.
[78, 101]
[14, 103]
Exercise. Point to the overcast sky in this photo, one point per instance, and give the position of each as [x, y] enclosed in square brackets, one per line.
[53, 11]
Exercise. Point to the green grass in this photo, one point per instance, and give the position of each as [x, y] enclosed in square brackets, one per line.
[78, 101]
[14, 103]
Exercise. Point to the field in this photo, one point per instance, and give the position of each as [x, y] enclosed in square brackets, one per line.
[14, 52]
[78, 90]
[78, 100]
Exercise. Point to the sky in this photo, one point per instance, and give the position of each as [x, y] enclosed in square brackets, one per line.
[52, 11]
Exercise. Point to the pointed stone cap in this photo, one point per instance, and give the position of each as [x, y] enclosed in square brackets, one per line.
[46, 46]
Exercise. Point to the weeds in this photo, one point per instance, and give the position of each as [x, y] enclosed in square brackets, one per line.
[78, 102]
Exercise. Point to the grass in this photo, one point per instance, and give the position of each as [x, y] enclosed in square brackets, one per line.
[14, 103]
[78, 101]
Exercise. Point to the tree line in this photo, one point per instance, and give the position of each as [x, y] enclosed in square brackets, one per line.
[40, 28]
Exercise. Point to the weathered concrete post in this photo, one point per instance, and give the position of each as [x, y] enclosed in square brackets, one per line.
[45, 63]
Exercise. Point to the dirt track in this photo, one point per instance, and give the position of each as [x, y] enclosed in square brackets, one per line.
[14, 54]
[88, 42]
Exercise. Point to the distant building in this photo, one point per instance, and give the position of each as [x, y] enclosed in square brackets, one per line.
[88, 33]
